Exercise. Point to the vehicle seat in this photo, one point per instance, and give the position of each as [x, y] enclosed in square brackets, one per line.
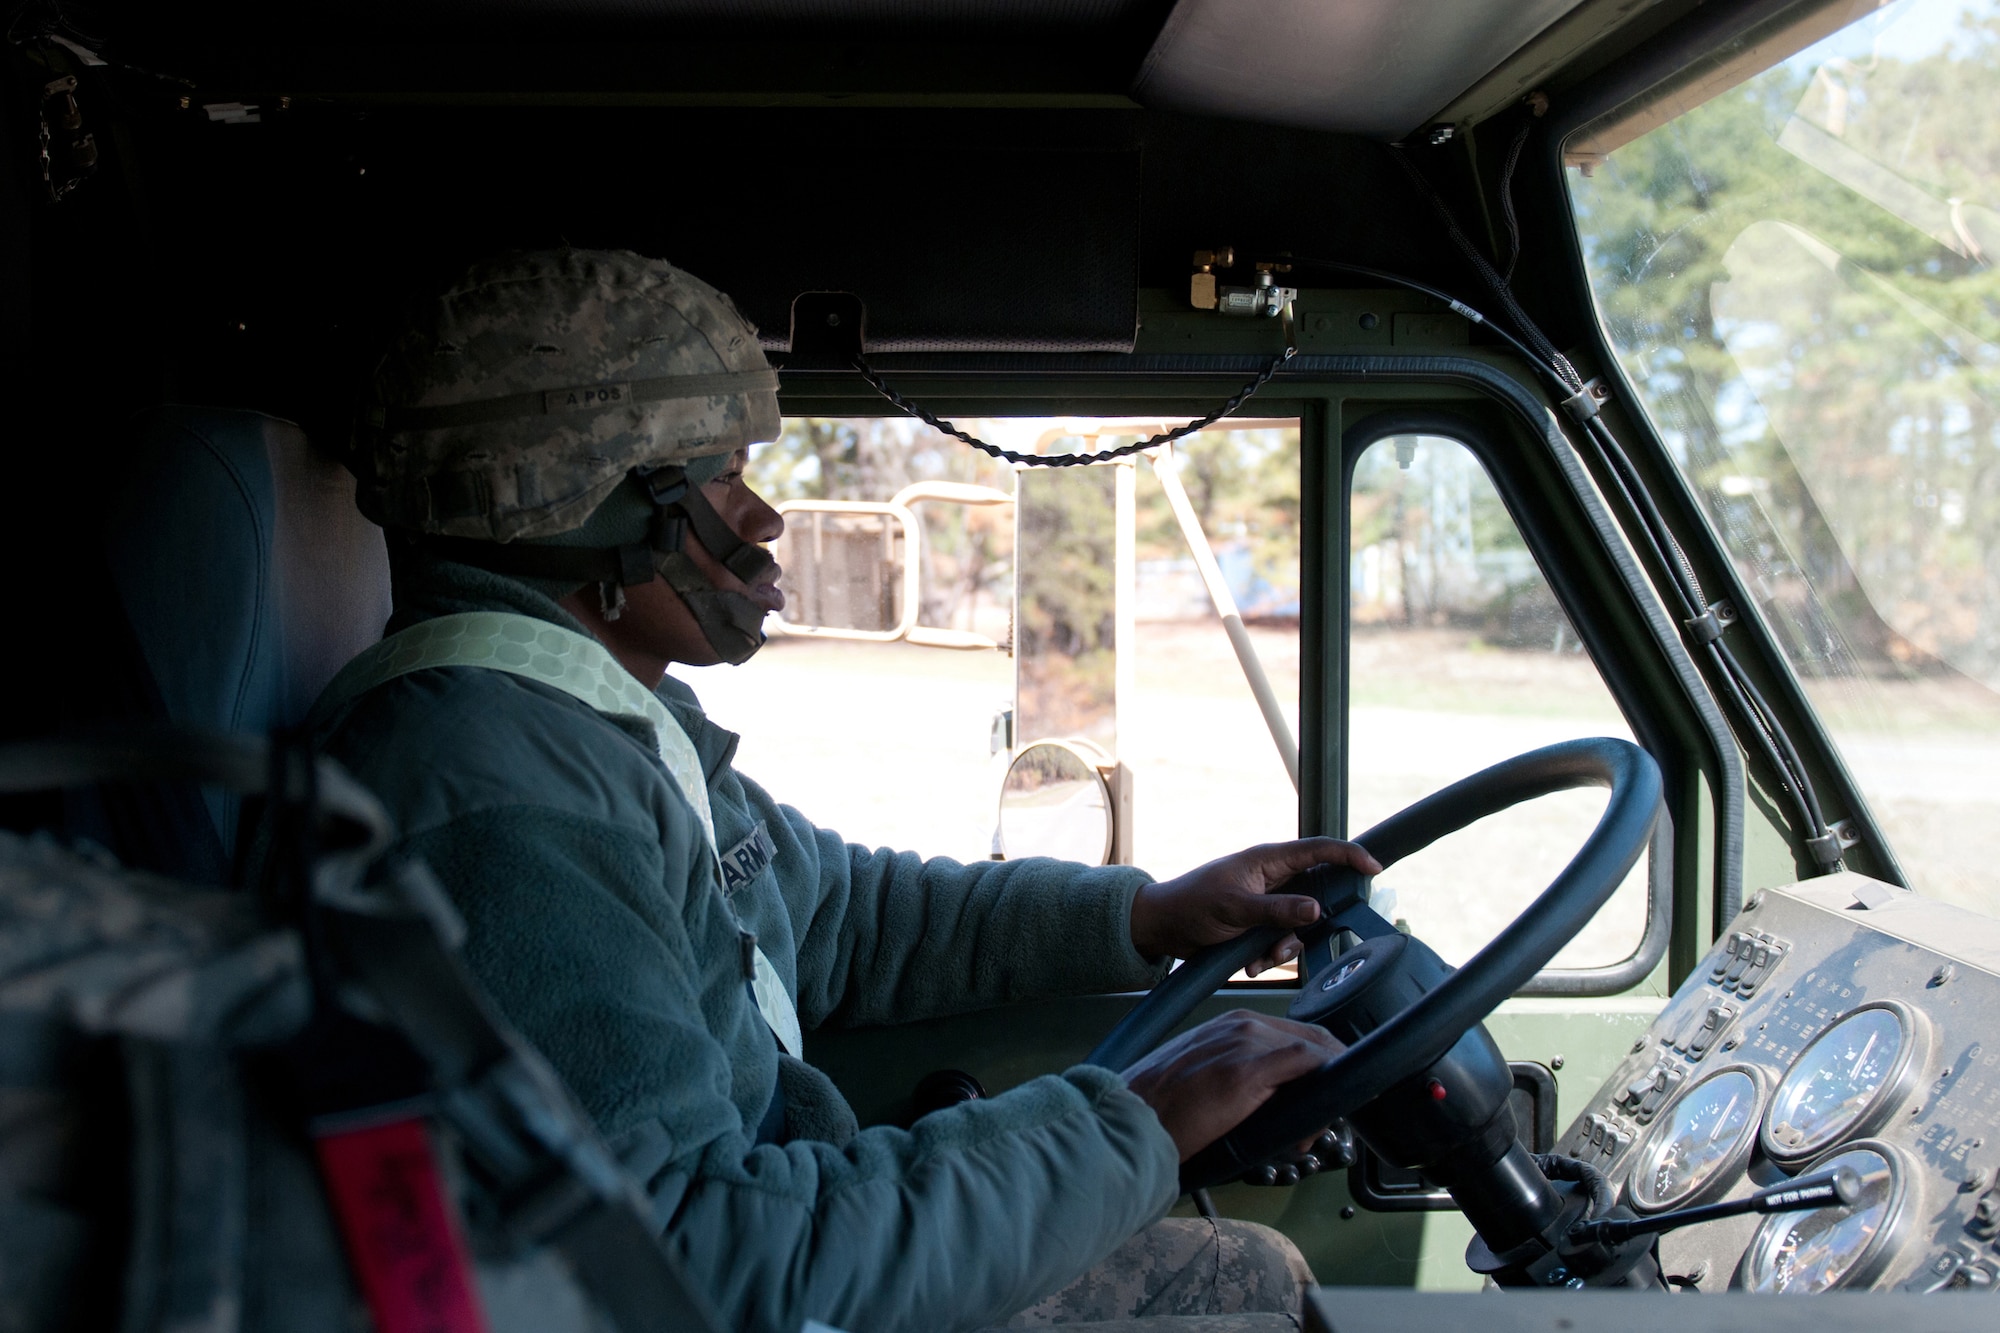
[245, 572]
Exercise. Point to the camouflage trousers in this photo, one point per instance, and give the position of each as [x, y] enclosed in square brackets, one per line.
[1185, 1275]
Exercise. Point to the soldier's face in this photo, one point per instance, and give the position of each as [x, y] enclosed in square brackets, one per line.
[656, 624]
[750, 518]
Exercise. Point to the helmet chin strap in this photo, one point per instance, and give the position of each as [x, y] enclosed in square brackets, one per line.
[732, 623]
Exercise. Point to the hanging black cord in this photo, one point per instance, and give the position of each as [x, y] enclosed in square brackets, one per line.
[1507, 203]
[1458, 307]
[1241, 396]
[1688, 583]
[1750, 703]
[1529, 330]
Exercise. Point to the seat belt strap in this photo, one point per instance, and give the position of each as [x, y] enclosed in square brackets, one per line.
[401, 1231]
[584, 669]
[367, 1089]
[519, 1132]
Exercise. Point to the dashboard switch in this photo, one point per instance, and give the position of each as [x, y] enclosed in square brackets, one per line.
[1644, 1094]
[1955, 1269]
[1727, 958]
[1765, 955]
[1600, 1138]
[1714, 1022]
[1741, 947]
[1985, 1220]
[1666, 1080]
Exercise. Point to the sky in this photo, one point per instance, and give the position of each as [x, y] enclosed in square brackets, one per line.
[1906, 30]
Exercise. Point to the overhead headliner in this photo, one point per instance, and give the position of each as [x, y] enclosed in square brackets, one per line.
[1378, 68]
[1371, 67]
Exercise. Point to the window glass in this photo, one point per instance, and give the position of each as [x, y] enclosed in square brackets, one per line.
[887, 742]
[1066, 612]
[1460, 657]
[896, 744]
[1798, 277]
[1209, 776]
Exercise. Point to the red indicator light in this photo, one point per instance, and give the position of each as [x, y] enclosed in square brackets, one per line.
[1436, 1090]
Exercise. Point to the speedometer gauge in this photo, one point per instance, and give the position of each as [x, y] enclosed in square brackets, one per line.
[1812, 1251]
[1705, 1132]
[1844, 1081]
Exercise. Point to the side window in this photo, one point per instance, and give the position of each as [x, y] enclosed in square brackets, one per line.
[1459, 657]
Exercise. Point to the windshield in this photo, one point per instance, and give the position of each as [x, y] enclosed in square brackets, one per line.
[907, 746]
[1798, 277]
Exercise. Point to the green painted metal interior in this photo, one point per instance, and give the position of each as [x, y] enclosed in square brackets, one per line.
[1581, 1039]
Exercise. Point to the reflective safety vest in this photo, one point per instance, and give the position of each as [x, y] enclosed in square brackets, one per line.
[585, 670]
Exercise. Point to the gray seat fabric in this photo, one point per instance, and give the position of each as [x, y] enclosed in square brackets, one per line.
[244, 569]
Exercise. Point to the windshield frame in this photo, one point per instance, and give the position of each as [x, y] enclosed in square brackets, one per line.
[1644, 661]
[1684, 57]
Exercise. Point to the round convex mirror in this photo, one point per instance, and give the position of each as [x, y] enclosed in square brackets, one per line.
[1055, 803]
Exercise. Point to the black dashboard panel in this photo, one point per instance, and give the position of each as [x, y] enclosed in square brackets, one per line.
[1839, 1020]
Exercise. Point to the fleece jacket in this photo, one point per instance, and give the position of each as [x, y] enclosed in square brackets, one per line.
[597, 919]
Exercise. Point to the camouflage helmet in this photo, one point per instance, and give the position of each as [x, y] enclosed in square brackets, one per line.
[532, 386]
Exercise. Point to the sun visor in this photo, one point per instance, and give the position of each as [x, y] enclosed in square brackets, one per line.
[955, 245]
[962, 230]
[1008, 252]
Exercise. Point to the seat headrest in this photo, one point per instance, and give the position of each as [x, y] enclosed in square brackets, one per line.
[246, 572]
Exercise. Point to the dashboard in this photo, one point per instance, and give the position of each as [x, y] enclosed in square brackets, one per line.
[1837, 1022]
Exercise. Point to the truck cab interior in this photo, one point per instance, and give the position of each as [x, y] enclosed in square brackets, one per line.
[1699, 291]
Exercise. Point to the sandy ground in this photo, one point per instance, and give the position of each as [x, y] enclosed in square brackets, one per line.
[1926, 755]
[889, 744]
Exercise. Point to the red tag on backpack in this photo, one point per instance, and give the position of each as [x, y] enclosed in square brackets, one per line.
[402, 1233]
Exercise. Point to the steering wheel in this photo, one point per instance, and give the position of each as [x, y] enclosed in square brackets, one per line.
[1422, 1033]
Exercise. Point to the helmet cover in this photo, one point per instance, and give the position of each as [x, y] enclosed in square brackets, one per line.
[511, 405]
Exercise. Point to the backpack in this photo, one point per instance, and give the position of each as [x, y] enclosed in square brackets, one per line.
[286, 1107]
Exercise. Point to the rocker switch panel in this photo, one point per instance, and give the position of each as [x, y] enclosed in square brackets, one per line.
[1714, 1023]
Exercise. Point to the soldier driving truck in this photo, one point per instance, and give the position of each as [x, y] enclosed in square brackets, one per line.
[1548, 445]
[556, 446]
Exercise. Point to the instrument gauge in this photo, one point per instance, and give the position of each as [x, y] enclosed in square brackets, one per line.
[1844, 1082]
[1701, 1140]
[1799, 1253]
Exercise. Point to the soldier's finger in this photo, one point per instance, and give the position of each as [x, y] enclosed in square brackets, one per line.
[1245, 910]
[1283, 952]
[1282, 860]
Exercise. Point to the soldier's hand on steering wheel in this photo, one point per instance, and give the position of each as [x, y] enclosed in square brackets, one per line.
[1204, 1082]
[1175, 918]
